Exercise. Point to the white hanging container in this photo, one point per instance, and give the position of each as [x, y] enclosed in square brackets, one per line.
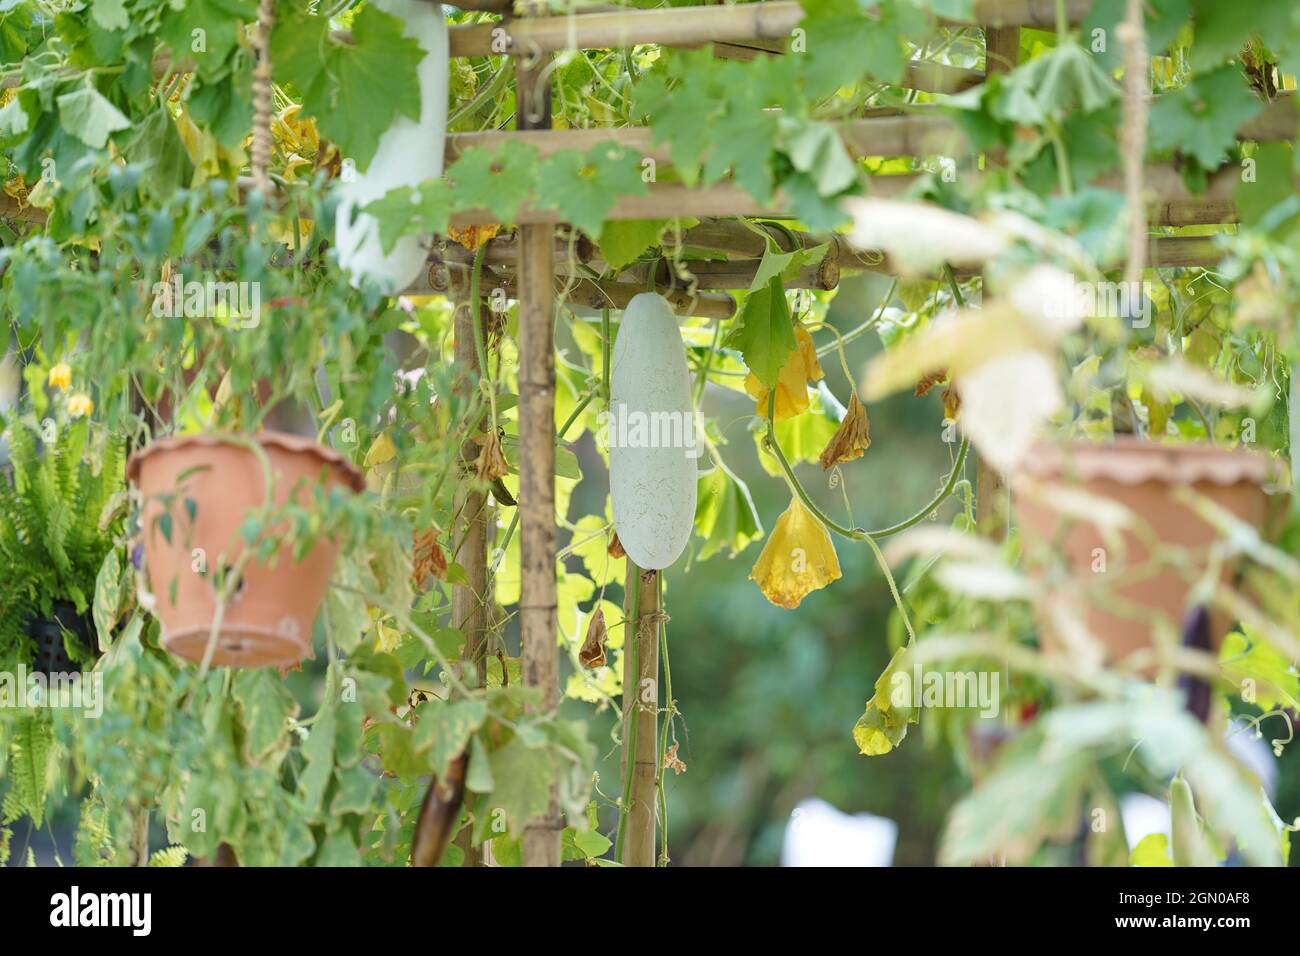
[408, 154]
[653, 445]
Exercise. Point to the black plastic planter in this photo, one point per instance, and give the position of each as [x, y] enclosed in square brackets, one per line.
[51, 656]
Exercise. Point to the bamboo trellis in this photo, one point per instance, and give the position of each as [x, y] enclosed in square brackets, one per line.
[535, 265]
[531, 256]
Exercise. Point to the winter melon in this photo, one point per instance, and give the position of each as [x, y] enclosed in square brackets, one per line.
[408, 154]
[650, 430]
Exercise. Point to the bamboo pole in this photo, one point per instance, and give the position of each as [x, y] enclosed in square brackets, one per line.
[700, 25]
[537, 602]
[636, 843]
[470, 599]
[823, 275]
[911, 135]
[444, 279]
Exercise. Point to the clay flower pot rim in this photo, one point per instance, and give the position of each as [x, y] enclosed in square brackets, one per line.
[283, 440]
[1130, 460]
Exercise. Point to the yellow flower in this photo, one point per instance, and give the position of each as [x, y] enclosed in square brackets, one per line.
[79, 405]
[61, 377]
[801, 370]
[799, 558]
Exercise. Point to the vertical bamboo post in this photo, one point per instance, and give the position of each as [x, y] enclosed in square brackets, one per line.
[537, 602]
[640, 716]
[470, 601]
[992, 499]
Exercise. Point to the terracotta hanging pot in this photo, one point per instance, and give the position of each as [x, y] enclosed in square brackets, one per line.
[1144, 477]
[197, 492]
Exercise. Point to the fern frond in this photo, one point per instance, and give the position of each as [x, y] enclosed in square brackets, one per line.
[29, 757]
[170, 856]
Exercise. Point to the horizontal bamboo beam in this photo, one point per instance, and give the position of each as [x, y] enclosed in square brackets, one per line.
[711, 275]
[915, 135]
[700, 25]
[589, 293]
[664, 201]
[738, 25]
[923, 133]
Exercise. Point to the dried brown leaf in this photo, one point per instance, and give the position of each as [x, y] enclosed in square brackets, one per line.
[851, 439]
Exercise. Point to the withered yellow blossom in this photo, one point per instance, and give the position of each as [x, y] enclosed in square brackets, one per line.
[79, 405]
[851, 439]
[61, 377]
[799, 558]
[801, 369]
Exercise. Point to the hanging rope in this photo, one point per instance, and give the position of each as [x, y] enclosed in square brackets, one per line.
[262, 97]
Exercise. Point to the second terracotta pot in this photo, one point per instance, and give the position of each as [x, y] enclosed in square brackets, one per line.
[198, 491]
[1144, 477]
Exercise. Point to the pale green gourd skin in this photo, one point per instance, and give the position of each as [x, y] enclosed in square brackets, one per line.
[408, 154]
[652, 489]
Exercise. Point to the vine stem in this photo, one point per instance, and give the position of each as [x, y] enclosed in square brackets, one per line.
[858, 534]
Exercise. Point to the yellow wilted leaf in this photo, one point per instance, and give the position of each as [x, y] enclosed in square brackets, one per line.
[381, 451]
[883, 725]
[798, 558]
[801, 369]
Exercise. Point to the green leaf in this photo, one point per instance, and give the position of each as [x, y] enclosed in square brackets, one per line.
[1035, 793]
[845, 42]
[522, 777]
[89, 116]
[680, 112]
[1053, 86]
[1202, 118]
[585, 188]
[591, 544]
[319, 751]
[478, 776]
[354, 90]
[356, 790]
[725, 516]
[266, 706]
[204, 32]
[1222, 28]
[622, 240]
[766, 335]
[338, 850]
[883, 723]
[445, 729]
[1164, 20]
[1262, 198]
[1273, 681]
[13, 119]
[412, 210]
[110, 14]
[497, 180]
[108, 598]
[1151, 850]
[1191, 846]
[815, 149]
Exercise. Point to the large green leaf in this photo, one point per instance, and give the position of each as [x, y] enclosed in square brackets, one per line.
[766, 334]
[585, 188]
[88, 115]
[1202, 118]
[354, 90]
